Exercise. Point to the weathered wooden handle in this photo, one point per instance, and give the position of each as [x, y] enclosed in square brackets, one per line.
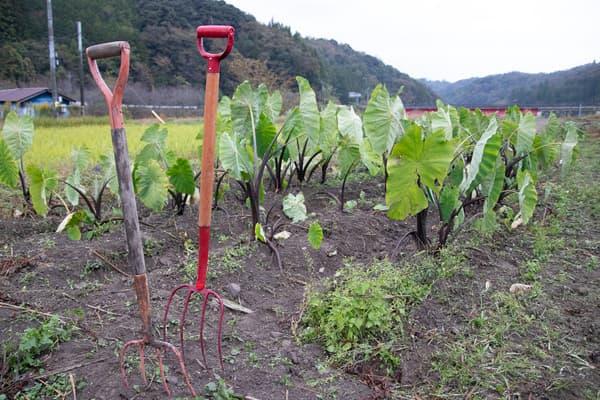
[113, 98]
[133, 235]
[106, 50]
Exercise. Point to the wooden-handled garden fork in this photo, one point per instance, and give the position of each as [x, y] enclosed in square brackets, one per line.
[130, 216]
[206, 187]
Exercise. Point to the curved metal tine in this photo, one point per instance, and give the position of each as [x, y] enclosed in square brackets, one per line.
[179, 357]
[162, 371]
[166, 315]
[221, 315]
[141, 343]
[202, 315]
[186, 303]
[207, 293]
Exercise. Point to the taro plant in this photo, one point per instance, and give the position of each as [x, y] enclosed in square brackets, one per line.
[101, 178]
[311, 141]
[418, 166]
[454, 158]
[43, 182]
[17, 137]
[246, 150]
[353, 148]
[251, 145]
[158, 172]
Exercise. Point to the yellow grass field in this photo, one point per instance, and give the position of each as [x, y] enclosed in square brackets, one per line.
[52, 146]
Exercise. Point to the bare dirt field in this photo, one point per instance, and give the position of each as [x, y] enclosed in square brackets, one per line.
[469, 338]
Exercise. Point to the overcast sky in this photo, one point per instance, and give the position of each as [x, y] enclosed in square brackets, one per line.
[449, 39]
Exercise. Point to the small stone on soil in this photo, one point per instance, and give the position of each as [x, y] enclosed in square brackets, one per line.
[582, 291]
[234, 289]
[294, 357]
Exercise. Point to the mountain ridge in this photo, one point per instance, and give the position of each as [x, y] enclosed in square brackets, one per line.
[164, 53]
[579, 85]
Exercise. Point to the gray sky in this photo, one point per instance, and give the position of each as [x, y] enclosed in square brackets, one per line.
[451, 39]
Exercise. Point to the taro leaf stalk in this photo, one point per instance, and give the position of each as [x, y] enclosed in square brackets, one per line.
[418, 167]
[17, 135]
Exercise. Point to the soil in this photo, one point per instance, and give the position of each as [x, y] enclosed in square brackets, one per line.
[42, 273]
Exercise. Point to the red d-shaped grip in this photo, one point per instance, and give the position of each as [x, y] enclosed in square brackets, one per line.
[215, 31]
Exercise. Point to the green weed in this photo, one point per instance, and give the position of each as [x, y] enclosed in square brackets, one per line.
[531, 270]
[55, 387]
[34, 342]
[487, 360]
[362, 311]
[90, 267]
[219, 390]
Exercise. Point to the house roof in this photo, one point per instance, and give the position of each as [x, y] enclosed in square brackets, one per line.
[20, 95]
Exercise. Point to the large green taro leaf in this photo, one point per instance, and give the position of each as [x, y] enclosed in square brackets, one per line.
[416, 163]
[43, 182]
[483, 161]
[18, 134]
[9, 171]
[152, 185]
[382, 119]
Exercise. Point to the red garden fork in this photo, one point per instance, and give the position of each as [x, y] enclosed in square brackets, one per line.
[206, 188]
[130, 217]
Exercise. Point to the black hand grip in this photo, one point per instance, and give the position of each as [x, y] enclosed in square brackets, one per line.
[106, 50]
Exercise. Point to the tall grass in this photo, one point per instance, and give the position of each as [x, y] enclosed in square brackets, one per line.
[52, 145]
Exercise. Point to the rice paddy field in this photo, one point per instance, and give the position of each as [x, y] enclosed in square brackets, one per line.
[53, 142]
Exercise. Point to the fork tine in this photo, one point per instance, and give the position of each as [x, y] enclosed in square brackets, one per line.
[162, 371]
[220, 327]
[181, 364]
[182, 321]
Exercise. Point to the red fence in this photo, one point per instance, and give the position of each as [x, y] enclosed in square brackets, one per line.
[416, 112]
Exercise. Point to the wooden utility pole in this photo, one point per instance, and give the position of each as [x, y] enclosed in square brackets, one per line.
[52, 54]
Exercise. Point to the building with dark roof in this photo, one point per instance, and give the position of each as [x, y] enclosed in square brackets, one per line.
[29, 100]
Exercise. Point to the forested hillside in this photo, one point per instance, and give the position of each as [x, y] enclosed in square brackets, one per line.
[579, 85]
[164, 53]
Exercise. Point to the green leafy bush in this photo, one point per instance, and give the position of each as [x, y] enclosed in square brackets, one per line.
[362, 312]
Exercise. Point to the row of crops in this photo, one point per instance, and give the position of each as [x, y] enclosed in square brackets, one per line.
[448, 160]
